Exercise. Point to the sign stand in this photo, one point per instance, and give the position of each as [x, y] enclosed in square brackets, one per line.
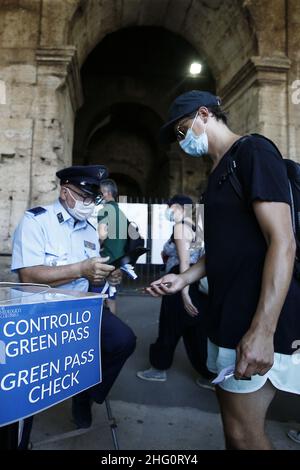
[113, 424]
[80, 431]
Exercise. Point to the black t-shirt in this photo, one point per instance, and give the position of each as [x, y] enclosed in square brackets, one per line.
[235, 246]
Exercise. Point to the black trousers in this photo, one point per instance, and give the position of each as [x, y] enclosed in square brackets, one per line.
[117, 344]
[176, 323]
[9, 437]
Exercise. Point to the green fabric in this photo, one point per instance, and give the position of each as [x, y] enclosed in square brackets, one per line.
[114, 245]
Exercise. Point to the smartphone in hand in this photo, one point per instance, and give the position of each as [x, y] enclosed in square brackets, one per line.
[143, 289]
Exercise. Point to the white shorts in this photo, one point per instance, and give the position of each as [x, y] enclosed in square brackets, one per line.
[284, 374]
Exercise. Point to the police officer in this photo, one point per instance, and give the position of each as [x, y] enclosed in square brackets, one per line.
[56, 245]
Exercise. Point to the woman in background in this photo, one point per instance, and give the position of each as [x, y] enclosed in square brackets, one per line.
[181, 314]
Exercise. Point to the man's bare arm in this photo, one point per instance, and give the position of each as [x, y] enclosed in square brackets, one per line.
[255, 352]
[195, 272]
[178, 281]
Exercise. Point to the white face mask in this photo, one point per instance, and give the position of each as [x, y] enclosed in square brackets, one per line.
[80, 211]
[195, 145]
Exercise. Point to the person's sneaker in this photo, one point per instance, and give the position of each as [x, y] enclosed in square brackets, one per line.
[153, 374]
[294, 435]
[205, 383]
[82, 411]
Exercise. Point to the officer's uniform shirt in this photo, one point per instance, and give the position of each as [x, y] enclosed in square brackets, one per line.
[50, 236]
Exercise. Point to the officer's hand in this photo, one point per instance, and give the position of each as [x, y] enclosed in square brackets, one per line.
[115, 278]
[95, 269]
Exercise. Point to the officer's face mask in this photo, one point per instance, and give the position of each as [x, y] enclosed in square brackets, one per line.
[193, 144]
[80, 211]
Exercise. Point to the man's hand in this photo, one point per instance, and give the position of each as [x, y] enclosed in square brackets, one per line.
[95, 269]
[115, 278]
[255, 354]
[177, 284]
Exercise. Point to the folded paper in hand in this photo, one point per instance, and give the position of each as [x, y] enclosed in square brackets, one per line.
[126, 262]
[129, 270]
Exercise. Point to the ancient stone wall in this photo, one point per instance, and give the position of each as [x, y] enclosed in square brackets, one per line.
[18, 38]
[42, 93]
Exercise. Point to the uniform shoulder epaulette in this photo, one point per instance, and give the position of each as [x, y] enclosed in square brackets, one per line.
[92, 225]
[37, 210]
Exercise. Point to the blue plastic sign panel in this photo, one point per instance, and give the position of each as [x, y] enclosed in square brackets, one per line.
[48, 353]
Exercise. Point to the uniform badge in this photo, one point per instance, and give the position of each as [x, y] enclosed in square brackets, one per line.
[89, 245]
[60, 217]
[37, 210]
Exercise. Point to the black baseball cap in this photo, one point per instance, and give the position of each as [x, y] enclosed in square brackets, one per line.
[87, 178]
[185, 104]
[180, 199]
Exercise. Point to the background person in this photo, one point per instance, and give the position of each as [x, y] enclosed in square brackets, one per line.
[253, 317]
[112, 229]
[181, 314]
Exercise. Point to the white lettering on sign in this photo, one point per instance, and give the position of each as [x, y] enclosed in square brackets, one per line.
[67, 378]
[296, 93]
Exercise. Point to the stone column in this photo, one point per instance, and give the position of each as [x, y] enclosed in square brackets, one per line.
[293, 38]
[39, 95]
[18, 80]
[58, 97]
[258, 98]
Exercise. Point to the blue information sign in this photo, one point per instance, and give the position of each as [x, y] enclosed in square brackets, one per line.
[49, 351]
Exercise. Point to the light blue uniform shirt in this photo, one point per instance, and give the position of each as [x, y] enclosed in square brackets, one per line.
[49, 236]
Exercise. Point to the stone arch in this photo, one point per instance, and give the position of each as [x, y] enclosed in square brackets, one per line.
[123, 136]
[248, 59]
[223, 32]
[213, 27]
[127, 185]
[89, 119]
[135, 92]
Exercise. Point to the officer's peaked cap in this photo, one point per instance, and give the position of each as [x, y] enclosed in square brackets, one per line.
[87, 178]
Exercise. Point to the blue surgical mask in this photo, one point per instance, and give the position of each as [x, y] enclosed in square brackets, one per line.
[170, 215]
[195, 145]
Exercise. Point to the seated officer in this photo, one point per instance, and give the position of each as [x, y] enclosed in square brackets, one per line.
[56, 245]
